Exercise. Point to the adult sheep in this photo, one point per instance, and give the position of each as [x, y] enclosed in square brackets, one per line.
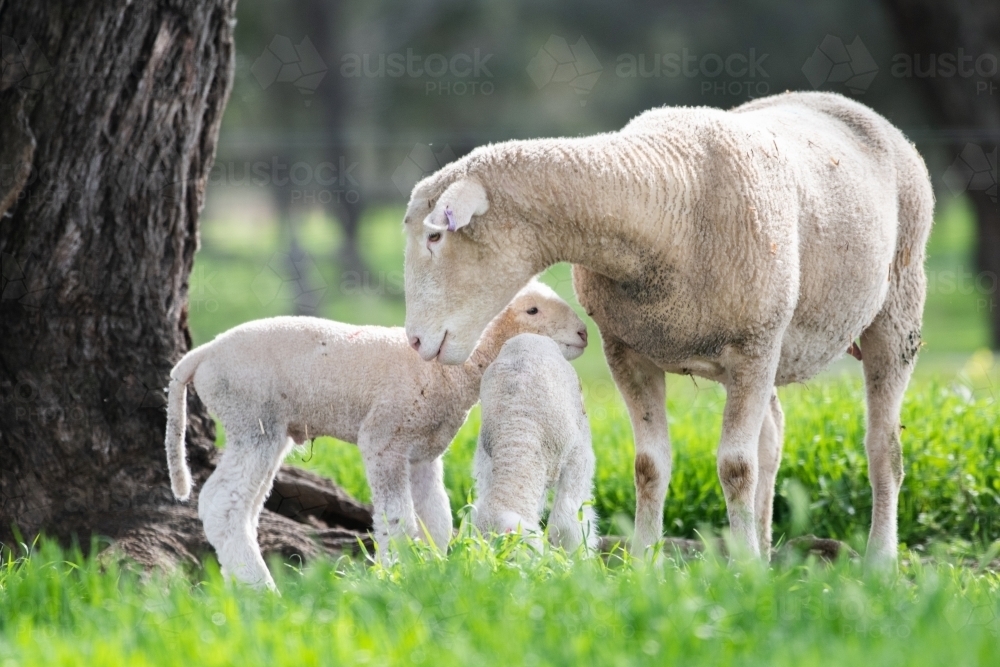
[750, 247]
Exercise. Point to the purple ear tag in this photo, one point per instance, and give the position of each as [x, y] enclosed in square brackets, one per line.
[451, 219]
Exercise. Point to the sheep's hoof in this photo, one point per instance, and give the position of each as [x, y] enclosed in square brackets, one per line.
[824, 548]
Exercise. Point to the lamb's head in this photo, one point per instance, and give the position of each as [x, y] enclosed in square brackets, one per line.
[538, 309]
[458, 278]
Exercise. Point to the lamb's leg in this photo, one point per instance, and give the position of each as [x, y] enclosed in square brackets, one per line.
[889, 347]
[482, 478]
[768, 462]
[227, 502]
[264, 490]
[642, 386]
[567, 528]
[388, 469]
[430, 500]
[749, 388]
[509, 484]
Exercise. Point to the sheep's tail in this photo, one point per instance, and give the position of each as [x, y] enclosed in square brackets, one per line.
[180, 376]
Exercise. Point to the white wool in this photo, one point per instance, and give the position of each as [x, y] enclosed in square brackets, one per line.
[534, 437]
[281, 380]
[749, 246]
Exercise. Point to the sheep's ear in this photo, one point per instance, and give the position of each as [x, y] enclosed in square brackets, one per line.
[456, 206]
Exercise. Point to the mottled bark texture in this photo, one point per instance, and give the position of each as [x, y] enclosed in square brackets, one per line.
[967, 104]
[109, 118]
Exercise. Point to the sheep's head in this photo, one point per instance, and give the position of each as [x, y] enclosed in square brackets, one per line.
[456, 281]
[538, 309]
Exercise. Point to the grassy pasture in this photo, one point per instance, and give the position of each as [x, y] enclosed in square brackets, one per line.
[496, 602]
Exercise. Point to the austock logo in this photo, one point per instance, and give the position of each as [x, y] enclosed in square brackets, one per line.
[12, 283]
[152, 174]
[558, 62]
[421, 161]
[309, 183]
[736, 74]
[459, 74]
[292, 278]
[283, 62]
[24, 66]
[577, 66]
[834, 62]
[983, 67]
[974, 170]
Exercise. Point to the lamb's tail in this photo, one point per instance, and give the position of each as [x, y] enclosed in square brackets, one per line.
[180, 376]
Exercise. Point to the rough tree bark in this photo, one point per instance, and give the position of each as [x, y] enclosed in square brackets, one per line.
[109, 117]
[969, 104]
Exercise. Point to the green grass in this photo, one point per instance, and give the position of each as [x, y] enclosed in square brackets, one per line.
[498, 603]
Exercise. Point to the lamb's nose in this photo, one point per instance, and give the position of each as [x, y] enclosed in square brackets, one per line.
[583, 335]
[415, 343]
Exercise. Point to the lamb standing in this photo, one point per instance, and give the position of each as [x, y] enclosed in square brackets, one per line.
[750, 247]
[279, 381]
[534, 436]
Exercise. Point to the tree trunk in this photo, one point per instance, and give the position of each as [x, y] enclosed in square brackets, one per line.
[109, 117]
[969, 104]
[333, 95]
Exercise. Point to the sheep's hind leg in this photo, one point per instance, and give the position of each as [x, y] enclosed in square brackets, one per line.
[264, 490]
[511, 491]
[430, 500]
[889, 347]
[768, 461]
[226, 505]
[642, 385]
[749, 389]
[571, 522]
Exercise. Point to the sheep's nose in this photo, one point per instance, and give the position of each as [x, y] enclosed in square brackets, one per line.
[415, 342]
[583, 335]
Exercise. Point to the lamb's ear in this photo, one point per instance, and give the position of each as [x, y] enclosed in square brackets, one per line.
[456, 206]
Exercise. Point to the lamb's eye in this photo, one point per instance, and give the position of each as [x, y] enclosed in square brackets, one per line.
[533, 311]
[434, 237]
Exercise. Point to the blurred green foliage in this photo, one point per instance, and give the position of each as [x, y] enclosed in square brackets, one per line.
[242, 273]
[951, 451]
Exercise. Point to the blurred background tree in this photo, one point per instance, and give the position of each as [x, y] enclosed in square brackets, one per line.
[339, 107]
[964, 113]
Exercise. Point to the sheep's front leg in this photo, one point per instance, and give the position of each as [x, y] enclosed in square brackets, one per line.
[748, 394]
[388, 470]
[430, 500]
[642, 385]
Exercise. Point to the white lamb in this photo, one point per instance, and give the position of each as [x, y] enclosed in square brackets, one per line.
[284, 380]
[534, 437]
[751, 247]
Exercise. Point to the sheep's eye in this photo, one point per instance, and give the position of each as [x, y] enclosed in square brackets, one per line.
[434, 237]
[533, 311]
